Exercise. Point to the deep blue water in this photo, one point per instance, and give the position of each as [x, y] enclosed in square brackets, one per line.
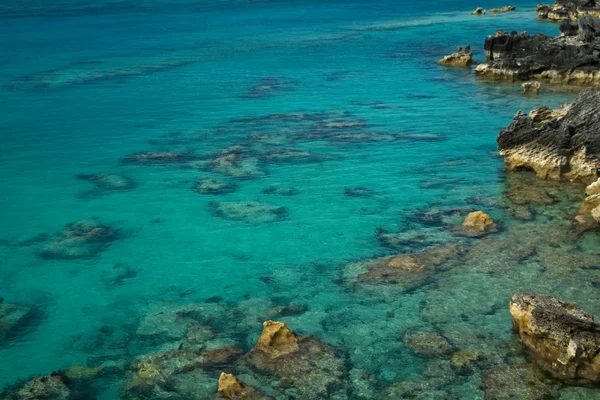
[84, 84]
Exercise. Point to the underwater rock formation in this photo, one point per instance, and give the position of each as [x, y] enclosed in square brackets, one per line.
[213, 186]
[561, 337]
[405, 271]
[428, 344]
[568, 9]
[359, 191]
[312, 368]
[158, 158]
[559, 144]
[267, 87]
[12, 316]
[80, 240]
[563, 59]
[108, 182]
[232, 388]
[462, 58]
[251, 212]
[238, 162]
[172, 374]
[280, 191]
[477, 224]
[50, 387]
[517, 382]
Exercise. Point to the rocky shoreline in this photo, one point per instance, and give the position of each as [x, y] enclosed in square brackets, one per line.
[565, 59]
[568, 9]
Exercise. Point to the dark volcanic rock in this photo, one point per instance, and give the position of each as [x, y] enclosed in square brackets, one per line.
[562, 338]
[564, 59]
[568, 9]
[556, 144]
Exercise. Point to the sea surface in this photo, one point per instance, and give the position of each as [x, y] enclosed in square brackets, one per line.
[344, 126]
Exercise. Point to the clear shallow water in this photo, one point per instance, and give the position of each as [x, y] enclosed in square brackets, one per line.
[86, 84]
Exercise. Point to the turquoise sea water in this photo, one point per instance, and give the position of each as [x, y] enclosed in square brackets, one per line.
[85, 84]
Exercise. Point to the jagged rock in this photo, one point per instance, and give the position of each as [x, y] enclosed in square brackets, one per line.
[593, 188]
[588, 215]
[428, 344]
[312, 368]
[478, 11]
[477, 224]
[568, 29]
[232, 388]
[462, 58]
[561, 337]
[568, 9]
[80, 240]
[531, 87]
[503, 9]
[563, 144]
[571, 60]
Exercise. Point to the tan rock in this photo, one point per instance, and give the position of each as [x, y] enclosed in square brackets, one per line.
[503, 9]
[232, 388]
[405, 261]
[477, 224]
[593, 188]
[588, 215]
[276, 340]
[462, 58]
[531, 87]
[562, 338]
[478, 11]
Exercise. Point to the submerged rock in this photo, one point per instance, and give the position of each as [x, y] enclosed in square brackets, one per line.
[158, 158]
[312, 368]
[359, 191]
[232, 388]
[269, 86]
[428, 344]
[517, 382]
[477, 224]
[252, 212]
[80, 240]
[556, 145]
[12, 317]
[108, 182]
[462, 58]
[406, 271]
[561, 337]
[238, 162]
[280, 191]
[50, 387]
[559, 60]
[213, 186]
[568, 9]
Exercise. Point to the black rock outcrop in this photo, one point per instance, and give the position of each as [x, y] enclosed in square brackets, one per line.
[566, 59]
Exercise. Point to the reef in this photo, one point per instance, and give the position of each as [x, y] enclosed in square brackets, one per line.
[13, 317]
[562, 144]
[427, 344]
[564, 59]
[562, 338]
[517, 382]
[251, 212]
[108, 182]
[359, 191]
[462, 58]
[237, 161]
[80, 240]
[568, 10]
[280, 191]
[158, 158]
[213, 186]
